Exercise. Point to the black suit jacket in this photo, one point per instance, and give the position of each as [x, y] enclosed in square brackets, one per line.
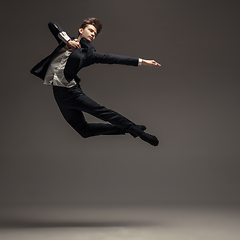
[79, 58]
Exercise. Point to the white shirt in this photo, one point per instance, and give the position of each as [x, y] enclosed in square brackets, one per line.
[55, 73]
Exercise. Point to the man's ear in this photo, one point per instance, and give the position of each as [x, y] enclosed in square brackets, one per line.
[80, 30]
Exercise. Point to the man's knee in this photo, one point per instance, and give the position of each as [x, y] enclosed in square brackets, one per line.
[84, 134]
[83, 130]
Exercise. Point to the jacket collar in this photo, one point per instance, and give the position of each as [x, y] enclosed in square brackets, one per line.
[86, 44]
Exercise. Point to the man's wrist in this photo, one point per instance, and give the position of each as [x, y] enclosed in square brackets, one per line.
[64, 37]
[139, 61]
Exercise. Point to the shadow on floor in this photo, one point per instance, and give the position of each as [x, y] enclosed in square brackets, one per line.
[68, 224]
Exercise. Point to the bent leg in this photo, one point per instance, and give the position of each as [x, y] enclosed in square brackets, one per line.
[76, 119]
[86, 104]
[73, 101]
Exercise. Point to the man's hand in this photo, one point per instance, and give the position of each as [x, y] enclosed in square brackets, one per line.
[150, 63]
[73, 44]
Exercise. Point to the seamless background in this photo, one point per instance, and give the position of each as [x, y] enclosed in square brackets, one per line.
[191, 104]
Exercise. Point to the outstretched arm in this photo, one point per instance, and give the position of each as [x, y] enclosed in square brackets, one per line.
[113, 59]
[118, 59]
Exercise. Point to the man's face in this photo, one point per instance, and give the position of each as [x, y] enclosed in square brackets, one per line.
[89, 32]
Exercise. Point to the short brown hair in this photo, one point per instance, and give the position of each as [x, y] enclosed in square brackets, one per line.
[92, 21]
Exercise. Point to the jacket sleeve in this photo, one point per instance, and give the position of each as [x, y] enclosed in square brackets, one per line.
[113, 59]
[58, 32]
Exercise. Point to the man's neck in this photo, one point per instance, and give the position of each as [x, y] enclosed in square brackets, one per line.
[79, 38]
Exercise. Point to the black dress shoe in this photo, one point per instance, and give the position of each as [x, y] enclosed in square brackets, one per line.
[149, 138]
[142, 127]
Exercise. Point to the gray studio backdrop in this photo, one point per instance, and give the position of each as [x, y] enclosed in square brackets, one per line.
[191, 104]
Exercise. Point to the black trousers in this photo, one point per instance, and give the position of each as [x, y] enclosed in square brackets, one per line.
[73, 102]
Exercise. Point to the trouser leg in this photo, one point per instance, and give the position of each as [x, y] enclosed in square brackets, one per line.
[86, 104]
[72, 102]
[77, 120]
